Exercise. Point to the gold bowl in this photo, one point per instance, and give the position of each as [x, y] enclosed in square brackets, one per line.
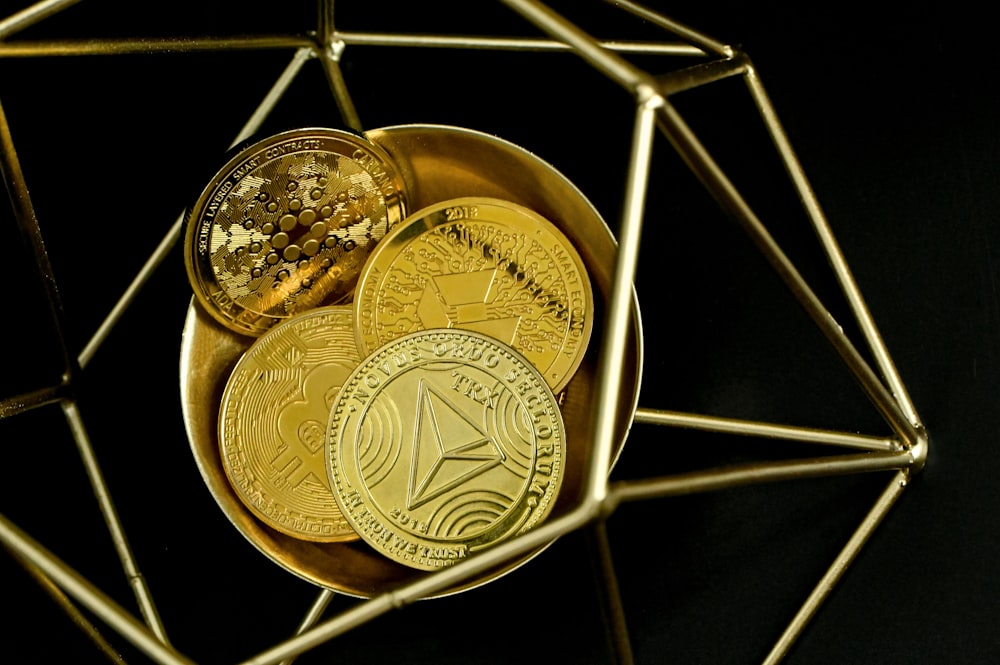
[438, 163]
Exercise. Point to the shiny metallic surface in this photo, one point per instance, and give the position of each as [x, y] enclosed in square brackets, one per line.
[130, 566]
[287, 224]
[610, 381]
[507, 43]
[31, 15]
[29, 49]
[765, 430]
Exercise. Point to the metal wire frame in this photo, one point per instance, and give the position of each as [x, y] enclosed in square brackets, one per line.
[904, 453]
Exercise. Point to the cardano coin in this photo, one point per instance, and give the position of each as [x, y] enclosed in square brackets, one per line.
[484, 265]
[273, 417]
[443, 443]
[287, 224]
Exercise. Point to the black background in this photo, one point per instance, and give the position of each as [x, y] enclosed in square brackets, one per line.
[893, 113]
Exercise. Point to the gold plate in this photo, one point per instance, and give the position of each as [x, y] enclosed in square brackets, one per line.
[286, 225]
[443, 443]
[273, 417]
[485, 265]
[437, 163]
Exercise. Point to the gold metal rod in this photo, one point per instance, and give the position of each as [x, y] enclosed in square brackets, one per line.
[32, 15]
[174, 233]
[609, 375]
[765, 430]
[325, 24]
[275, 94]
[738, 475]
[31, 49]
[27, 221]
[315, 612]
[701, 74]
[332, 49]
[822, 227]
[111, 519]
[66, 605]
[685, 32]
[725, 193]
[611, 595]
[85, 593]
[11, 406]
[330, 57]
[365, 611]
[837, 568]
[506, 43]
[152, 263]
[610, 64]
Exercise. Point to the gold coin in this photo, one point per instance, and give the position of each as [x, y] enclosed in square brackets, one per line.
[443, 443]
[287, 224]
[484, 265]
[272, 423]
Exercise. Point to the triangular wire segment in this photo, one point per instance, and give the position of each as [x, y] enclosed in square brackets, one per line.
[708, 171]
[895, 405]
[832, 249]
[901, 414]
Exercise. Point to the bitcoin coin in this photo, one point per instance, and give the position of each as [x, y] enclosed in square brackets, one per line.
[484, 265]
[273, 417]
[287, 224]
[443, 443]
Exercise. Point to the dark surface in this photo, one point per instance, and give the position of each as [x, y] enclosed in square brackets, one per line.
[894, 118]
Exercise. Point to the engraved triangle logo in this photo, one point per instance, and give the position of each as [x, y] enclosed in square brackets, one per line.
[449, 449]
